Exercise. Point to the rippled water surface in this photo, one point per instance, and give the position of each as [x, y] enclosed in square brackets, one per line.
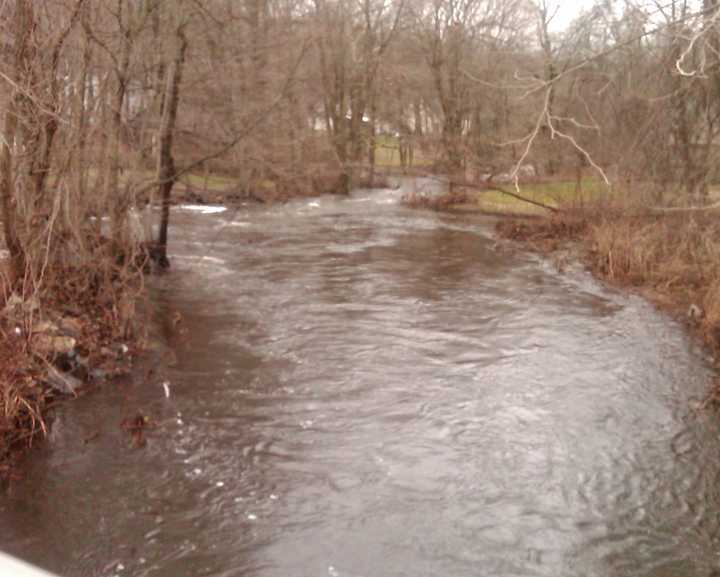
[363, 391]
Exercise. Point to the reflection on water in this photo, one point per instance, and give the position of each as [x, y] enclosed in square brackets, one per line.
[365, 390]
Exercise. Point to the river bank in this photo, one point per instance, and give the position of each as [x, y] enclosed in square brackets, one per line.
[60, 345]
[669, 258]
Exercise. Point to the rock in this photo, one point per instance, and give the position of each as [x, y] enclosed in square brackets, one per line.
[99, 374]
[53, 345]
[120, 349]
[71, 327]
[524, 171]
[56, 338]
[115, 351]
[695, 313]
[73, 310]
[16, 305]
[46, 327]
[62, 382]
[82, 360]
[527, 171]
[14, 301]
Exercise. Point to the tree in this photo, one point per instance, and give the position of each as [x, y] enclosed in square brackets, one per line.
[352, 41]
[166, 174]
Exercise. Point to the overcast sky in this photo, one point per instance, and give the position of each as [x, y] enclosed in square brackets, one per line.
[569, 9]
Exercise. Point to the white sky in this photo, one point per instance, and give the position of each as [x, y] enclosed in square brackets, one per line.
[568, 10]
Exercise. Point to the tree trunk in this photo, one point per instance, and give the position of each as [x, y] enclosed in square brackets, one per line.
[24, 25]
[166, 164]
[372, 139]
[12, 241]
[119, 203]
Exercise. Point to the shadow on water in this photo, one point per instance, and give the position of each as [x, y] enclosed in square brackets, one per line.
[365, 390]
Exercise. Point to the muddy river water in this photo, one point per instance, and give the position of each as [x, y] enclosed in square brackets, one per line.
[357, 389]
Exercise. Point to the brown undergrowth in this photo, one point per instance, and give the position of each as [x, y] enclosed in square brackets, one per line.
[80, 329]
[23, 400]
[671, 258]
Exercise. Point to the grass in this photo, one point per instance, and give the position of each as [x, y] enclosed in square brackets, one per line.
[553, 194]
[213, 182]
[196, 182]
[199, 182]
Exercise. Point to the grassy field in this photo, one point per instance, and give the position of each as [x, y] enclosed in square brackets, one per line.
[550, 193]
[213, 182]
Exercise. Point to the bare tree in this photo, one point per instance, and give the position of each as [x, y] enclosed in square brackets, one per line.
[352, 41]
[166, 174]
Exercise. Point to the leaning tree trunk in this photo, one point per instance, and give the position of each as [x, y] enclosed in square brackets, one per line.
[166, 164]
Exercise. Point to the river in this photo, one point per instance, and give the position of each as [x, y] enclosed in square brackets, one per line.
[358, 389]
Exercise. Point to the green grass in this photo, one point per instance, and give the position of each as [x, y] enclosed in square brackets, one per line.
[550, 193]
[214, 182]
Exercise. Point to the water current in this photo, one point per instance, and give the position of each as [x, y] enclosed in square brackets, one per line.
[358, 389]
